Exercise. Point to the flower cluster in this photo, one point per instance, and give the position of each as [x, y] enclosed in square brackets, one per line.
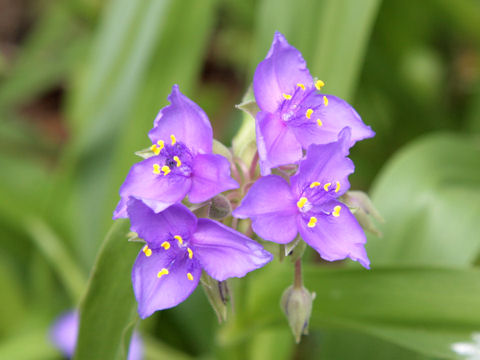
[297, 126]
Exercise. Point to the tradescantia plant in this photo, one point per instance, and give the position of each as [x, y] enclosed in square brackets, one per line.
[303, 139]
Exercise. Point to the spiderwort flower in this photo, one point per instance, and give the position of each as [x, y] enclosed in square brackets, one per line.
[179, 246]
[64, 332]
[293, 113]
[309, 205]
[183, 163]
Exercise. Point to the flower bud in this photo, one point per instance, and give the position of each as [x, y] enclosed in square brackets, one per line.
[219, 208]
[296, 304]
[218, 295]
[363, 209]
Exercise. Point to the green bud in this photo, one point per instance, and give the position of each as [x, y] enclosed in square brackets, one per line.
[296, 304]
[364, 210]
[219, 208]
[218, 294]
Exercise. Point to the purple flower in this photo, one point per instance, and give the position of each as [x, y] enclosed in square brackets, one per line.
[183, 162]
[293, 114]
[64, 332]
[179, 246]
[309, 205]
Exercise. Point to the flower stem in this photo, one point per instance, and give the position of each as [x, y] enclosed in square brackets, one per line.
[298, 282]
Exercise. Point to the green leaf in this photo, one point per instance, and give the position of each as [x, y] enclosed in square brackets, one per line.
[422, 309]
[109, 308]
[12, 301]
[59, 258]
[429, 195]
[33, 344]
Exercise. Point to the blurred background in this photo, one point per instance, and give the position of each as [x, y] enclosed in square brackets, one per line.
[81, 82]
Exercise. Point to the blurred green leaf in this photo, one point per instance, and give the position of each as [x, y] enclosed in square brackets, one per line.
[422, 309]
[12, 301]
[47, 56]
[33, 344]
[109, 308]
[429, 196]
[59, 258]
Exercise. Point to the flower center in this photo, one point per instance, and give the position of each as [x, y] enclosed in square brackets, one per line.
[174, 158]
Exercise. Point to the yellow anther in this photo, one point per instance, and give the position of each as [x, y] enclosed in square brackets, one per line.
[174, 139]
[312, 222]
[309, 113]
[155, 149]
[161, 144]
[319, 84]
[166, 245]
[165, 170]
[337, 189]
[179, 238]
[325, 100]
[162, 272]
[190, 253]
[301, 86]
[147, 251]
[326, 186]
[319, 122]
[190, 276]
[287, 97]
[177, 160]
[301, 203]
[336, 211]
[156, 169]
[314, 184]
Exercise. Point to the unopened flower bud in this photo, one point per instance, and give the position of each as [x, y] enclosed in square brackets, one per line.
[296, 304]
[363, 209]
[219, 208]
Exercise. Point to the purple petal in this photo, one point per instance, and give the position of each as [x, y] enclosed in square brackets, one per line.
[157, 293]
[272, 207]
[278, 74]
[64, 332]
[184, 119]
[211, 176]
[155, 228]
[276, 143]
[155, 190]
[336, 237]
[333, 117]
[224, 252]
[326, 164]
[135, 351]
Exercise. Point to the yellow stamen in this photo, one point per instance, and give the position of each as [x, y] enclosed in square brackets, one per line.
[336, 211]
[162, 272]
[155, 149]
[337, 189]
[174, 139]
[319, 122]
[161, 144]
[147, 251]
[166, 245]
[179, 238]
[156, 169]
[177, 160]
[165, 170]
[301, 203]
[312, 222]
[190, 253]
[314, 184]
[301, 86]
[326, 186]
[287, 97]
[325, 100]
[190, 276]
[319, 84]
[309, 113]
